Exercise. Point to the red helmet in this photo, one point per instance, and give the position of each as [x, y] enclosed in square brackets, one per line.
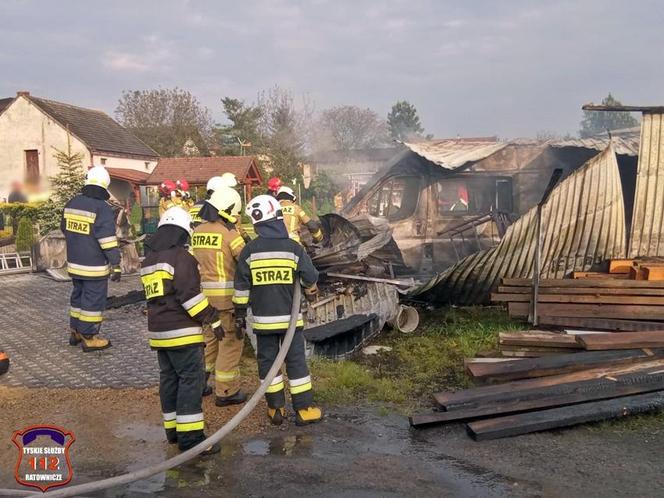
[274, 184]
[183, 184]
[166, 187]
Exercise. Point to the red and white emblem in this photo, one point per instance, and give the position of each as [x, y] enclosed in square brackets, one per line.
[43, 456]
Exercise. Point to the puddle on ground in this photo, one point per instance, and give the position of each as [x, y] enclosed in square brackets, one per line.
[346, 455]
[297, 445]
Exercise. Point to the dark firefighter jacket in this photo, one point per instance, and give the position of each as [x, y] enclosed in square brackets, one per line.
[176, 306]
[89, 227]
[265, 276]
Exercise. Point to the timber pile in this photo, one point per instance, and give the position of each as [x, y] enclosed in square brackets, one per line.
[535, 394]
[594, 303]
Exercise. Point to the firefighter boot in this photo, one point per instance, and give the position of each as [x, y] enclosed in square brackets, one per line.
[309, 415]
[74, 338]
[94, 343]
[207, 390]
[276, 415]
[215, 448]
[234, 399]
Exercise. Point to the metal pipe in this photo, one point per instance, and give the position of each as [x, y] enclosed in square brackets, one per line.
[111, 482]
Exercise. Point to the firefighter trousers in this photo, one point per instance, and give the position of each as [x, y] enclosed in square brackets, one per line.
[181, 383]
[299, 380]
[88, 302]
[222, 358]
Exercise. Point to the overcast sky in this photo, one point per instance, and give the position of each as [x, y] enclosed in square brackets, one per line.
[472, 68]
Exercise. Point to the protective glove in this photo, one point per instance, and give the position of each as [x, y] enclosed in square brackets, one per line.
[240, 327]
[116, 274]
[218, 330]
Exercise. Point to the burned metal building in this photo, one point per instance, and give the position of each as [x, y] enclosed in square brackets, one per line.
[448, 199]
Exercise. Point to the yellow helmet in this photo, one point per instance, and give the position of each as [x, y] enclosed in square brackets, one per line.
[224, 199]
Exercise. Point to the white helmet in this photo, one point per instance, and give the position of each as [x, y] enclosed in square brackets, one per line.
[224, 198]
[178, 217]
[287, 191]
[263, 208]
[225, 180]
[97, 175]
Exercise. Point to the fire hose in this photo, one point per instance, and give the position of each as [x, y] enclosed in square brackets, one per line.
[94, 486]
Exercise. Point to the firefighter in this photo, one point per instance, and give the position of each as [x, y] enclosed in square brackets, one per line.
[264, 280]
[166, 193]
[225, 180]
[295, 217]
[216, 244]
[92, 256]
[177, 311]
[273, 185]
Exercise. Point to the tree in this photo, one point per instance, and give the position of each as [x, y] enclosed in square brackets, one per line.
[403, 121]
[596, 122]
[165, 119]
[244, 127]
[25, 236]
[67, 183]
[285, 129]
[349, 127]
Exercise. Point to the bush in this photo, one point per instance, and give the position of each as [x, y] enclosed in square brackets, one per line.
[25, 236]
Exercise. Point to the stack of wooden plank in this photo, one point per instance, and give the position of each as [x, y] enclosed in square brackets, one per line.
[533, 344]
[634, 269]
[601, 382]
[605, 304]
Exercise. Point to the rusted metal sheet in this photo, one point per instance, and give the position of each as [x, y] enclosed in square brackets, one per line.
[624, 143]
[583, 223]
[647, 237]
[455, 153]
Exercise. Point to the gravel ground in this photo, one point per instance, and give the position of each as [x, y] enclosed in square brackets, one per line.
[354, 452]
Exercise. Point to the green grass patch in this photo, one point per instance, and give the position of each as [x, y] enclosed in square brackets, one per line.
[429, 360]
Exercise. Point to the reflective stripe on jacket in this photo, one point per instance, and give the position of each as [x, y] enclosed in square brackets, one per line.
[176, 306]
[295, 217]
[92, 246]
[217, 246]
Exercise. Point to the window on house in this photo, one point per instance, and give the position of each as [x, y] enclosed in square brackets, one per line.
[147, 164]
[103, 161]
[32, 167]
[395, 199]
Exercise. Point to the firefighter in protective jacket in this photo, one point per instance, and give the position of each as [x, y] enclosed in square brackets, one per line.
[92, 256]
[267, 269]
[177, 312]
[295, 216]
[216, 244]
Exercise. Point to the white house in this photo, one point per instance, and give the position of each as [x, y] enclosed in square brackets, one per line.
[31, 128]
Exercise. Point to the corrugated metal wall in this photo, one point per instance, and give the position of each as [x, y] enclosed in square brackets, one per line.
[583, 222]
[647, 238]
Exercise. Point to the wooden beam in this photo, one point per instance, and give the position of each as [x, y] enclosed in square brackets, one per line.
[514, 425]
[559, 364]
[597, 274]
[538, 386]
[617, 311]
[655, 109]
[568, 282]
[538, 338]
[620, 265]
[605, 324]
[586, 391]
[652, 273]
[593, 291]
[580, 299]
[621, 340]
